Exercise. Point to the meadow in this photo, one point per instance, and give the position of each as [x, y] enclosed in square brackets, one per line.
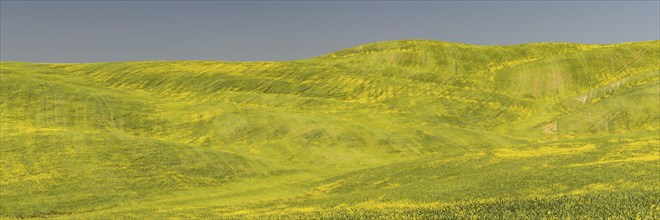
[412, 129]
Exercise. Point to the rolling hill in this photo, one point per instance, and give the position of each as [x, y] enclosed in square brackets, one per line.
[396, 129]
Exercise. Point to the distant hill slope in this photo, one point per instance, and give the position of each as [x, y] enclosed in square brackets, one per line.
[428, 126]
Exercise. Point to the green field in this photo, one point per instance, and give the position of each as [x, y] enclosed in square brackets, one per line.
[393, 130]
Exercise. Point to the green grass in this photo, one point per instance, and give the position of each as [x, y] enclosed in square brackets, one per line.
[398, 129]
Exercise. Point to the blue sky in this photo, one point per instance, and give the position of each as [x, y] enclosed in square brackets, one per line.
[92, 31]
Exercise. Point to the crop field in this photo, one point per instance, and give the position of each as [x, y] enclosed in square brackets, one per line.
[410, 129]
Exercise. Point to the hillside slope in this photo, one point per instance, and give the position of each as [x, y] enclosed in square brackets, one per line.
[393, 129]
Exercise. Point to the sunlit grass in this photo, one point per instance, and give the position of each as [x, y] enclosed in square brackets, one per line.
[400, 129]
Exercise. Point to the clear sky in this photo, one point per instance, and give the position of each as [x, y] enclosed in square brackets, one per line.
[89, 31]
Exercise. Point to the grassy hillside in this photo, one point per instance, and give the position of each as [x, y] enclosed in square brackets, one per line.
[398, 129]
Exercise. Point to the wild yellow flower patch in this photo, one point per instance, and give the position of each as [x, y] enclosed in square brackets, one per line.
[592, 187]
[459, 159]
[644, 158]
[543, 151]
